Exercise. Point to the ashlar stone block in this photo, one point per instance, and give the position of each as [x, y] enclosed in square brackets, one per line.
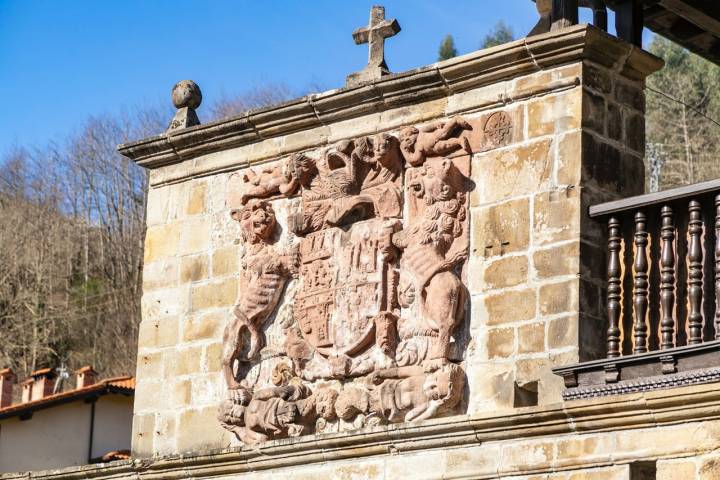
[676, 470]
[213, 295]
[225, 261]
[196, 202]
[554, 114]
[556, 216]
[161, 241]
[510, 306]
[516, 170]
[501, 228]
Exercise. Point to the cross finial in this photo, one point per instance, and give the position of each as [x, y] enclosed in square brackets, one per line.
[374, 35]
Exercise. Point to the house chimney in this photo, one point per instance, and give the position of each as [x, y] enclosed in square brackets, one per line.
[43, 381]
[26, 386]
[7, 380]
[85, 376]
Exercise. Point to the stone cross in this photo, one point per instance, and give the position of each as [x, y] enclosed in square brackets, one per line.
[374, 35]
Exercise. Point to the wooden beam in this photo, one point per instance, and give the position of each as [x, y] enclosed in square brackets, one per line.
[629, 21]
[685, 30]
[703, 13]
[564, 13]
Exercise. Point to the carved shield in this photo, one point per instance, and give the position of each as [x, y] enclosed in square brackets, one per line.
[343, 286]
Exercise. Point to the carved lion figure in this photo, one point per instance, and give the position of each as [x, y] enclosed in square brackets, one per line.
[410, 393]
[431, 248]
[262, 279]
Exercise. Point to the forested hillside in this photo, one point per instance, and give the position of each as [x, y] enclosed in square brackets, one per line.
[683, 119]
[72, 225]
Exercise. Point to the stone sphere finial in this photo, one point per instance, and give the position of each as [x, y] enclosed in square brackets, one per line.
[186, 93]
[186, 96]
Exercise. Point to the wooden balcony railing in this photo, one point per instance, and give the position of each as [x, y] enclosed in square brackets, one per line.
[629, 16]
[663, 287]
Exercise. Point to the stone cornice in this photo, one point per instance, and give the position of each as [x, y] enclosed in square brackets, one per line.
[443, 79]
[650, 409]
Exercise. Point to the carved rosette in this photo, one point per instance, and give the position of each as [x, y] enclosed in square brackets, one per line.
[348, 312]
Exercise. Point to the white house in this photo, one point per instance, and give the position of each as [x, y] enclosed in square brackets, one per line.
[87, 424]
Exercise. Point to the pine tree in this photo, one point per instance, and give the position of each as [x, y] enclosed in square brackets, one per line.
[447, 48]
[501, 33]
[682, 118]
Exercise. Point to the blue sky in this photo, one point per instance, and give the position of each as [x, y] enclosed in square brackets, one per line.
[62, 61]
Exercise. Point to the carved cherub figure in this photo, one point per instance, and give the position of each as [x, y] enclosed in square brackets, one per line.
[263, 276]
[433, 140]
[410, 393]
[271, 180]
[384, 171]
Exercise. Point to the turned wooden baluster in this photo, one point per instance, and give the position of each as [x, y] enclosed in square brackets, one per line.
[717, 267]
[564, 14]
[640, 290]
[695, 274]
[613, 289]
[667, 278]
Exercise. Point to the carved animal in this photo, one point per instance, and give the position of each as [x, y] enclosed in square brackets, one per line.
[409, 393]
[432, 246]
[262, 279]
[266, 413]
[417, 144]
[325, 403]
[351, 402]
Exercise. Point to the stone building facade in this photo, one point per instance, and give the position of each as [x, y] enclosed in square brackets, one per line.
[501, 151]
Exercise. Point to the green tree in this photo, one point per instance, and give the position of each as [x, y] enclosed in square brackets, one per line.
[501, 33]
[447, 48]
[682, 118]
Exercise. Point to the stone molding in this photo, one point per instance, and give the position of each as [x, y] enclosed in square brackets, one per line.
[644, 384]
[645, 410]
[443, 79]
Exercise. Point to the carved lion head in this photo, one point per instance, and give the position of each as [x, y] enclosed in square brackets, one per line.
[437, 180]
[445, 385]
[325, 403]
[257, 221]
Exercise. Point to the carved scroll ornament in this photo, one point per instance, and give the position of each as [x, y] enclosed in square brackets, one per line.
[352, 321]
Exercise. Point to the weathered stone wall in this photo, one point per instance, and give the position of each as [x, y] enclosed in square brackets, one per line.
[535, 259]
[602, 439]
[538, 261]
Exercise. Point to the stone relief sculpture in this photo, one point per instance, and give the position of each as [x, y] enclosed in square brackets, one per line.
[264, 272]
[268, 182]
[375, 240]
[432, 246]
[433, 140]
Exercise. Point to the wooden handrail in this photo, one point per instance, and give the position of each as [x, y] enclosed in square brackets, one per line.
[666, 196]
